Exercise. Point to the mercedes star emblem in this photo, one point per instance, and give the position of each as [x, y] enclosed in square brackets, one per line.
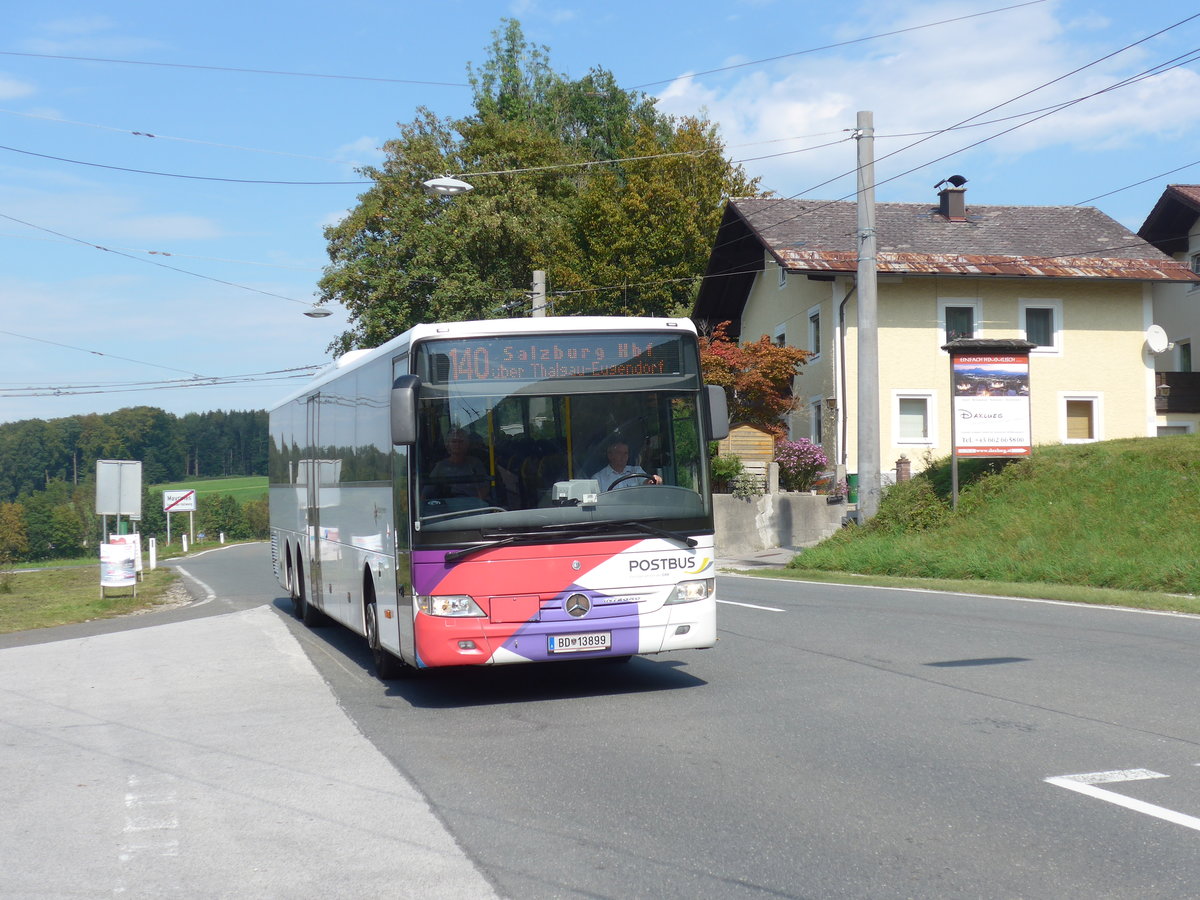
[578, 605]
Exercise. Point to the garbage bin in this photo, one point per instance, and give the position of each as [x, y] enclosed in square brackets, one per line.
[852, 487]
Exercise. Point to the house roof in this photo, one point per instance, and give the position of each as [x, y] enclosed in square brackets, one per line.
[818, 238]
[1172, 218]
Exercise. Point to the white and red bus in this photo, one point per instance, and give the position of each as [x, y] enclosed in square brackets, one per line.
[441, 494]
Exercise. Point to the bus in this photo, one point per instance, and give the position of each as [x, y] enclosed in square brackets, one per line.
[441, 495]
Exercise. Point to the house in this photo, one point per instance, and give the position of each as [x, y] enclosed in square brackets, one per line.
[1069, 279]
[1173, 226]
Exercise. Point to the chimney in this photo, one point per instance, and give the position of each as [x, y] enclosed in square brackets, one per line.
[952, 197]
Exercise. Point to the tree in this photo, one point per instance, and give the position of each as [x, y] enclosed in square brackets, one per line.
[756, 376]
[14, 544]
[559, 186]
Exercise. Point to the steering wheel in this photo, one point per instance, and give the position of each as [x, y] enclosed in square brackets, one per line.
[627, 476]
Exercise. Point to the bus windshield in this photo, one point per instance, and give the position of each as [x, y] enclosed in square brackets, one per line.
[521, 461]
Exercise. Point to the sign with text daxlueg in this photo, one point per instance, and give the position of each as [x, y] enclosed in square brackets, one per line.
[991, 404]
[990, 411]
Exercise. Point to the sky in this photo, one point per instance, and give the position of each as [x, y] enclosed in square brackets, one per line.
[144, 252]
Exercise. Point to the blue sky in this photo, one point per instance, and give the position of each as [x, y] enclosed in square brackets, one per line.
[86, 324]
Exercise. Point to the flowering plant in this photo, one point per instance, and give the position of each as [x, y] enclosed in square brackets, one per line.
[800, 462]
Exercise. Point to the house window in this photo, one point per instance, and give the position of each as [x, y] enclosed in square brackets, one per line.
[780, 335]
[816, 432]
[1041, 322]
[782, 277]
[958, 319]
[1184, 349]
[1081, 418]
[814, 331]
[914, 417]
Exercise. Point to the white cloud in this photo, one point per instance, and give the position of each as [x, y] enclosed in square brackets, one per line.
[932, 78]
[13, 89]
[364, 151]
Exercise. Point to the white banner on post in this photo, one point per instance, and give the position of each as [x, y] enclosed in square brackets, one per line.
[117, 567]
[135, 541]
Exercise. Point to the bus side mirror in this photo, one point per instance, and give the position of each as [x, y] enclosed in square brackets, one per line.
[404, 409]
[718, 412]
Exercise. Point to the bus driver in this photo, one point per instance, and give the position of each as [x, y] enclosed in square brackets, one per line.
[618, 467]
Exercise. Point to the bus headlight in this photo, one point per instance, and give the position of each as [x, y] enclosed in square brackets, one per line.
[457, 606]
[690, 591]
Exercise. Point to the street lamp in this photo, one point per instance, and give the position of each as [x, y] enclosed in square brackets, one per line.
[318, 312]
[446, 186]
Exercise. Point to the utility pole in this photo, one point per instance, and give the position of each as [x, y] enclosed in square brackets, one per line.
[539, 294]
[869, 482]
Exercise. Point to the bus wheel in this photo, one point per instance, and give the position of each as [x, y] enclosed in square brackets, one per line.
[387, 666]
[297, 588]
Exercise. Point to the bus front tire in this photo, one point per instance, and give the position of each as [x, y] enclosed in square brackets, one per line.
[387, 667]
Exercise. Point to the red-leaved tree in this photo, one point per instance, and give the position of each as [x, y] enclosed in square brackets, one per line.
[757, 377]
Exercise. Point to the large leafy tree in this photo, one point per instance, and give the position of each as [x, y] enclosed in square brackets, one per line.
[616, 201]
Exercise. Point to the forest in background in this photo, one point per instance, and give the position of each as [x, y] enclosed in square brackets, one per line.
[48, 480]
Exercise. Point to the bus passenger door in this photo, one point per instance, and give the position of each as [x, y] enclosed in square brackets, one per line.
[312, 505]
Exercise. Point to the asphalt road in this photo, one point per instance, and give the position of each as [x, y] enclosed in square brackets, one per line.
[838, 742]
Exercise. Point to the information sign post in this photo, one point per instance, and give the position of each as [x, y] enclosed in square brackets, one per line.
[990, 415]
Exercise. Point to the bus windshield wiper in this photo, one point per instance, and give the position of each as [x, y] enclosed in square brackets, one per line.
[647, 528]
[505, 540]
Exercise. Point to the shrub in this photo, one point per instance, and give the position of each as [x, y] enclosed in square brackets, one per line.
[800, 464]
[725, 470]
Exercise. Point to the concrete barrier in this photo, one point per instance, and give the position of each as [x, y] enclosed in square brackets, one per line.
[773, 520]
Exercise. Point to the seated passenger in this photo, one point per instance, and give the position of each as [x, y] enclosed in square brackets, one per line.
[618, 467]
[459, 474]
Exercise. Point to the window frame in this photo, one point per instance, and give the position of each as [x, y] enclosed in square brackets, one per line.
[1097, 401]
[973, 303]
[931, 420]
[814, 340]
[1055, 348]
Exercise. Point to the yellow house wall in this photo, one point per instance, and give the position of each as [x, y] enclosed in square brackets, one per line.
[1101, 355]
[771, 308]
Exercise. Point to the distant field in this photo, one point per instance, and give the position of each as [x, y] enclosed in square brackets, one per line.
[242, 488]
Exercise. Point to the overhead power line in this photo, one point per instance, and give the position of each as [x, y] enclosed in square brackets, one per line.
[861, 40]
[168, 65]
[152, 262]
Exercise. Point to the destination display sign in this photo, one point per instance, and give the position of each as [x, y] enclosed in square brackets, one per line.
[539, 357]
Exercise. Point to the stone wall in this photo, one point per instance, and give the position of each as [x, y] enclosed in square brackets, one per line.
[773, 520]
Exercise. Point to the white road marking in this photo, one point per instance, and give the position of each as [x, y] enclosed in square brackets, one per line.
[209, 593]
[751, 606]
[915, 590]
[1086, 784]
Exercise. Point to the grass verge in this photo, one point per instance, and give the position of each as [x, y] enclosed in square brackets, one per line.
[64, 596]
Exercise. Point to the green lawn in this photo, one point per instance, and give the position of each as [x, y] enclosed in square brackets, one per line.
[241, 488]
[63, 596]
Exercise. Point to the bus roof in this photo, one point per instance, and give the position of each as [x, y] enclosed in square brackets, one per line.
[354, 359]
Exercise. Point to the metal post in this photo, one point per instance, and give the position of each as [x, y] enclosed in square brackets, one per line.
[539, 294]
[869, 483]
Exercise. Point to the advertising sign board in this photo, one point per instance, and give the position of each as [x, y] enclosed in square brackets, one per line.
[117, 565]
[991, 405]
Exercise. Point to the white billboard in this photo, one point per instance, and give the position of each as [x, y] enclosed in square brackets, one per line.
[119, 487]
